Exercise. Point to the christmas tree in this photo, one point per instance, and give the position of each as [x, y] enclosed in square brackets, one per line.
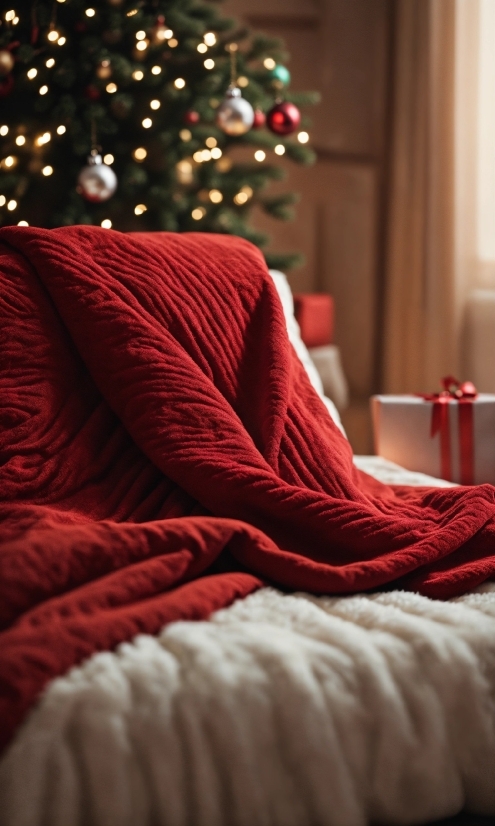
[181, 112]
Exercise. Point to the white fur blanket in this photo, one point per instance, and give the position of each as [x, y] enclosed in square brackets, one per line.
[282, 710]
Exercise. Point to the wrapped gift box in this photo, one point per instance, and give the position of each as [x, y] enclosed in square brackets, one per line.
[314, 314]
[462, 448]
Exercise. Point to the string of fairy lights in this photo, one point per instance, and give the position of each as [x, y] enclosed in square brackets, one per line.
[185, 167]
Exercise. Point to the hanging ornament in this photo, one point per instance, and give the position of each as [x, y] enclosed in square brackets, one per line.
[191, 117]
[235, 115]
[97, 182]
[159, 31]
[259, 119]
[6, 86]
[280, 76]
[284, 118]
[104, 70]
[6, 62]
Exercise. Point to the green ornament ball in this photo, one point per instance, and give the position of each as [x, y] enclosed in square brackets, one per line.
[281, 74]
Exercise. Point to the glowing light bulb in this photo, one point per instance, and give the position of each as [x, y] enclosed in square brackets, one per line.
[279, 149]
[43, 90]
[216, 153]
[185, 135]
[198, 213]
[303, 137]
[247, 189]
[215, 196]
[32, 74]
[53, 35]
[61, 41]
[43, 139]
[4, 130]
[139, 209]
[47, 171]
[206, 155]
[209, 63]
[108, 159]
[198, 156]
[147, 122]
[259, 155]
[90, 12]
[3, 200]
[111, 88]
[15, 21]
[156, 70]
[242, 81]
[269, 63]
[202, 48]
[9, 15]
[12, 205]
[179, 82]
[210, 38]
[141, 35]
[20, 140]
[140, 153]
[132, 12]
[9, 161]
[211, 142]
[155, 104]
[106, 223]
[167, 34]
[22, 224]
[142, 45]
[60, 1]
[240, 198]
[50, 62]
[138, 74]
[173, 43]
[61, 130]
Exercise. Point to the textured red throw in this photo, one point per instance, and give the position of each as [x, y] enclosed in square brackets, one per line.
[161, 449]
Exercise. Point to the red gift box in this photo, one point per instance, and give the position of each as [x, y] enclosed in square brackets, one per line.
[314, 314]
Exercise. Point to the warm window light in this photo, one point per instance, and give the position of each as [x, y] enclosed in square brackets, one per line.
[215, 196]
[108, 159]
[138, 74]
[139, 209]
[210, 38]
[9, 15]
[61, 41]
[47, 171]
[179, 82]
[269, 63]
[141, 35]
[106, 223]
[242, 81]
[111, 88]
[22, 224]
[155, 104]
[216, 153]
[202, 48]
[9, 161]
[156, 70]
[173, 43]
[303, 137]
[211, 142]
[4, 130]
[32, 74]
[279, 149]
[147, 122]
[185, 135]
[198, 213]
[12, 205]
[140, 153]
[142, 45]
[61, 130]
[43, 90]
[90, 12]
[209, 63]
[50, 63]
[20, 140]
[53, 35]
[259, 155]
[3, 200]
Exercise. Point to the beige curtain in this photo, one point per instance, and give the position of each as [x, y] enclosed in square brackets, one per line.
[421, 313]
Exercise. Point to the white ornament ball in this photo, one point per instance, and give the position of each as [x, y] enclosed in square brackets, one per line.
[235, 115]
[97, 182]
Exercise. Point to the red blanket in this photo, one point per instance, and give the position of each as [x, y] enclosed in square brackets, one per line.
[161, 449]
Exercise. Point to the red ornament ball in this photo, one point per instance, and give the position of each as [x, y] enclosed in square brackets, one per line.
[191, 117]
[259, 119]
[283, 118]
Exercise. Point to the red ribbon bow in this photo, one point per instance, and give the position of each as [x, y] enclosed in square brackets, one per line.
[464, 393]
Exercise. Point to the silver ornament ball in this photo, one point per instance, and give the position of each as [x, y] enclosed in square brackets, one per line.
[97, 182]
[235, 115]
